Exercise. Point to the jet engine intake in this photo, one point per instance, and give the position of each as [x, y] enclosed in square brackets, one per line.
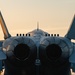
[53, 49]
[21, 48]
[21, 51]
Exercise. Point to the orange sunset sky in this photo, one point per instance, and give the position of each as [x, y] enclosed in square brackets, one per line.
[21, 16]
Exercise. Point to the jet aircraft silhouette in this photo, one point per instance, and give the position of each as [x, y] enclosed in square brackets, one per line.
[37, 52]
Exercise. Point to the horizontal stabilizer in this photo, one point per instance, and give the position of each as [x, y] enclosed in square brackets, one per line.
[71, 31]
[72, 57]
[2, 55]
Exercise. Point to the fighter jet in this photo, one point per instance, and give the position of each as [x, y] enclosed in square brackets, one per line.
[37, 52]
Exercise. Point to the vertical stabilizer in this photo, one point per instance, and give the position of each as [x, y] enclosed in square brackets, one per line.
[4, 28]
[71, 31]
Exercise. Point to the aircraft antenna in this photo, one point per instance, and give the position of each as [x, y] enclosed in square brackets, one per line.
[37, 25]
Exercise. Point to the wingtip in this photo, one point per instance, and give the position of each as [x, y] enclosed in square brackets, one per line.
[0, 12]
[74, 16]
[71, 31]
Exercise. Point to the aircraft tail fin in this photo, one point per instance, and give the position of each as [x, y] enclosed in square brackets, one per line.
[71, 31]
[4, 28]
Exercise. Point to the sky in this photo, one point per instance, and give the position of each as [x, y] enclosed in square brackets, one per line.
[21, 16]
